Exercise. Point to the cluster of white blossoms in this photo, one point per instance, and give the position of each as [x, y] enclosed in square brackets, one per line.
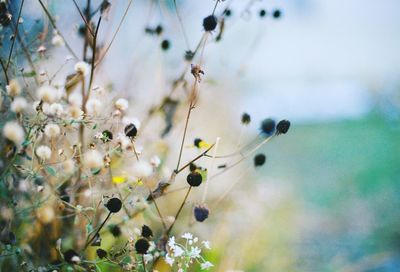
[189, 252]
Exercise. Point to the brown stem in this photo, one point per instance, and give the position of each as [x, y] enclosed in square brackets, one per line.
[184, 134]
[179, 211]
[15, 34]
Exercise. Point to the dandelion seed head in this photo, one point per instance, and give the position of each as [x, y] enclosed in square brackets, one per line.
[43, 152]
[47, 94]
[52, 130]
[121, 104]
[14, 132]
[93, 159]
[13, 88]
[18, 104]
[94, 107]
[82, 68]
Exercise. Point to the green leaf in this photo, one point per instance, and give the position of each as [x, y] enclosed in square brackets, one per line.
[29, 74]
[51, 171]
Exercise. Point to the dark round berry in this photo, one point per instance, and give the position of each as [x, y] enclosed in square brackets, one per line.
[262, 13]
[165, 45]
[159, 29]
[201, 213]
[107, 136]
[276, 14]
[131, 130]
[69, 254]
[246, 119]
[115, 230]
[282, 127]
[228, 12]
[268, 126]
[146, 231]
[101, 253]
[210, 23]
[194, 179]
[259, 160]
[114, 205]
[197, 142]
[141, 246]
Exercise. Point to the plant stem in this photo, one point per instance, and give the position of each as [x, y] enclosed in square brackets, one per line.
[179, 211]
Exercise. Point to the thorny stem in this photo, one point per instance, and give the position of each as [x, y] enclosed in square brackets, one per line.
[15, 34]
[179, 211]
[52, 22]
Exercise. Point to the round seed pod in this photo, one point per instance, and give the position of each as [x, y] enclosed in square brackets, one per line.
[101, 253]
[130, 131]
[141, 246]
[246, 119]
[201, 213]
[114, 205]
[115, 230]
[259, 160]
[107, 136]
[262, 13]
[194, 179]
[268, 126]
[165, 45]
[146, 231]
[69, 255]
[282, 127]
[276, 14]
[210, 23]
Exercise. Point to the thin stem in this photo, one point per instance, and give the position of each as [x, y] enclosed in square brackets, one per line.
[179, 211]
[144, 264]
[15, 34]
[83, 18]
[195, 159]
[5, 71]
[210, 170]
[97, 231]
[184, 133]
[181, 25]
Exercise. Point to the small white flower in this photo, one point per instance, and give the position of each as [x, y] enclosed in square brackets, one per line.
[56, 109]
[82, 67]
[152, 246]
[13, 88]
[52, 130]
[68, 166]
[148, 257]
[194, 252]
[76, 259]
[75, 99]
[155, 161]
[94, 107]
[123, 140]
[178, 251]
[76, 113]
[43, 152]
[206, 265]
[121, 104]
[169, 260]
[206, 244]
[93, 159]
[14, 132]
[18, 105]
[187, 236]
[57, 40]
[171, 241]
[47, 93]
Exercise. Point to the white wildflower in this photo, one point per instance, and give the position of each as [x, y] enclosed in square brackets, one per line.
[82, 67]
[14, 132]
[123, 140]
[206, 265]
[43, 152]
[194, 252]
[121, 104]
[52, 130]
[57, 40]
[148, 257]
[171, 241]
[13, 88]
[56, 109]
[206, 244]
[18, 105]
[93, 159]
[178, 251]
[169, 260]
[155, 161]
[187, 236]
[76, 113]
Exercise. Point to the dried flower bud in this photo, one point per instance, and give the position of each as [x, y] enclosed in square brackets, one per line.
[101, 253]
[146, 232]
[262, 13]
[114, 205]
[141, 246]
[276, 14]
[246, 119]
[259, 160]
[194, 179]
[165, 45]
[201, 213]
[282, 127]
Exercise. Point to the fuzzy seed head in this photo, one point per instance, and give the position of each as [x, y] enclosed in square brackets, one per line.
[14, 132]
[121, 104]
[93, 159]
[47, 94]
[52, 130]
[82, 68]
[13, 88]
[18, 105]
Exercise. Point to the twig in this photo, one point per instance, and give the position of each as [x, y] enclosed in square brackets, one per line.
[179, 211]
[83, 18]
[15, 34]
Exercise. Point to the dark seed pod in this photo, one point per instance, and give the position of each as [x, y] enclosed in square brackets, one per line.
[141, 246]
[262, 13]
[146, 231]
[246, 119]
[107, 136]
[192, 167]
[210, 23]
[101, 253]
[165, 45]
[158, 30]
[268, 126]
[282, 127]
[201, 213]
[114, 205]
[189, 55]
[259, 160]
[69, 254]
[276, 14]
[131, 131]
[197, 142]
[115, 230]
[194, 179]
[227, 12]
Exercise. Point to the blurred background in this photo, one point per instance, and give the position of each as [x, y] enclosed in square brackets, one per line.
[328, 197]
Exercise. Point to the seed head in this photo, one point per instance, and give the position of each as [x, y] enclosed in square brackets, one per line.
[101, 253]
[268, 126]
[71, 256]
[114, 205]
[262, 13]
[259, 160]
[194, 179]
[210, 23]
[246, 119]
[107, 136]
[282, 127]
[276, 14]
[146, 232]
[141, 246]
[131, 131]
[165, 45]
[201, 213]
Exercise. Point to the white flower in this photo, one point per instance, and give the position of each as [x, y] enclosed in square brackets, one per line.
[206, 244]
[152, 246]
[75, 259]
[13, 88]
[142, 169]
[194, 252]
[18, 105]
[93, 159]
[76, 113]
[148, 257]
[56, 109]
[52, 130]
[187, 236]
[155, 161]
[57, 40]
[82, 67]
[169, 260]
[171, 241]
[47, 93]
[121, 104]
[94, 106]
[14, 132]
[43, 152]
[178, 251]
[206, 265]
